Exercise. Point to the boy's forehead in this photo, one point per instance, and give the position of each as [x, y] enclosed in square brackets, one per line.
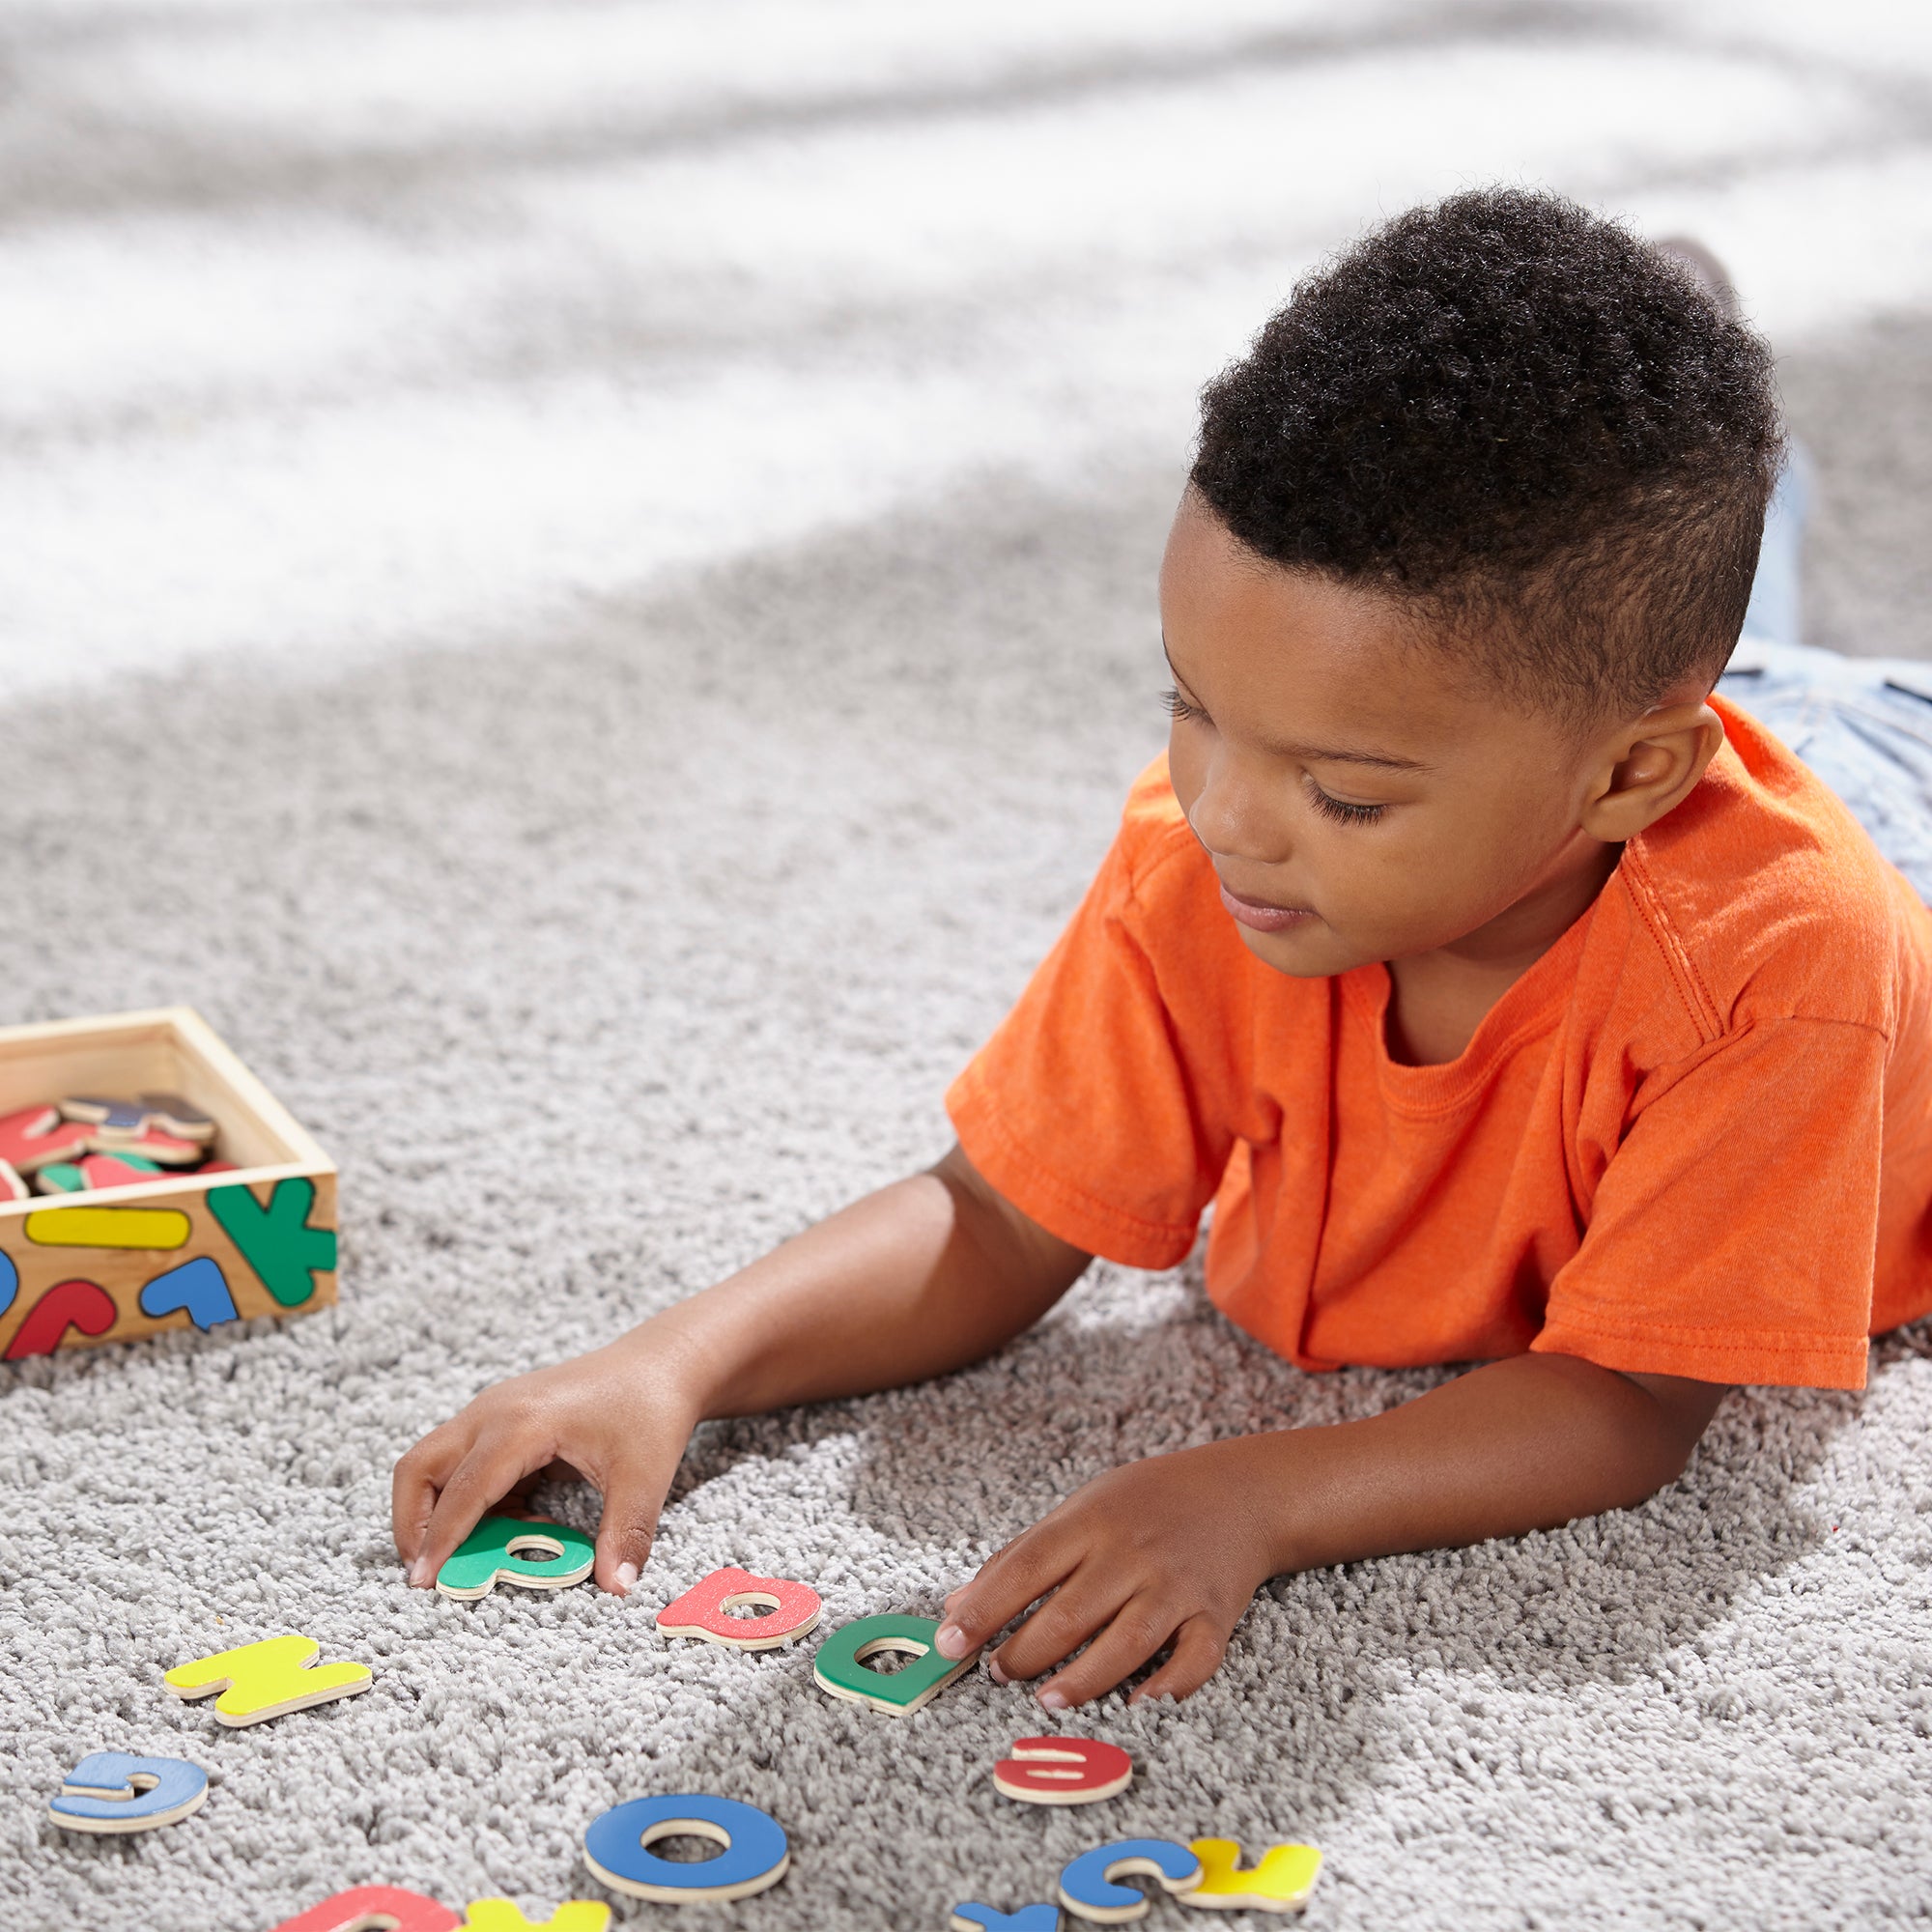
[1305, 661]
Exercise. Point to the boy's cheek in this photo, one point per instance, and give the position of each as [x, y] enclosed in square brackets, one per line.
[1410, 899]
[1183, 775]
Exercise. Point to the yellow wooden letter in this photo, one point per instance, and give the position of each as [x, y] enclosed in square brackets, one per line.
[501, 1914]
[1280, 1882]
[263, 1680]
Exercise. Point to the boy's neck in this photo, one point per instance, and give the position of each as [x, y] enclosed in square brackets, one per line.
[1438, 999]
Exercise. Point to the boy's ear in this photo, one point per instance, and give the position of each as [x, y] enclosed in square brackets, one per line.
[1648, 767]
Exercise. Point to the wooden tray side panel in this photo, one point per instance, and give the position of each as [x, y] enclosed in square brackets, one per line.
[114, 1267]
[170, 1050]
[33, 1073]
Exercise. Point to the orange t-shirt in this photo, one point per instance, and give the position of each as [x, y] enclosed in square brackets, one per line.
[1694, 1138]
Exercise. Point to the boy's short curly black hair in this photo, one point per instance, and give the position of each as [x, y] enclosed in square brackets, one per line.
[1531, 429]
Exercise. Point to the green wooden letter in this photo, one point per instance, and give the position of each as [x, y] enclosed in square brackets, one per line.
[839, 1667]
[486, 1557]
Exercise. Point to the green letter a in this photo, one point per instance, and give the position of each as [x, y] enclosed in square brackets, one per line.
[840, 1666]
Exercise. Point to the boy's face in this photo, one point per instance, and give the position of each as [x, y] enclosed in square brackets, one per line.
[1453, 822]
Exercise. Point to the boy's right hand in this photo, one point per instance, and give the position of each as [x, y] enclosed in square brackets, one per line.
[605, 1416]
[922, 1276]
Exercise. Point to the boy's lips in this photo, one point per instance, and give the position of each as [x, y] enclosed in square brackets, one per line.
[1263, 915]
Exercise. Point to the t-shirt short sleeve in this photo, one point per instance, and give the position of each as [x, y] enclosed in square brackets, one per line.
[1085, 1108]
[1732, 1233]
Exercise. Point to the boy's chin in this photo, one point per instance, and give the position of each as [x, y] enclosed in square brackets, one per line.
[1305, 951]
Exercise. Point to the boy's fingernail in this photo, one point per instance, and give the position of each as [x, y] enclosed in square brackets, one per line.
[949, 1640]
[994, 1671]
[1053, 1700]
[627, 1574]
[419, 1572]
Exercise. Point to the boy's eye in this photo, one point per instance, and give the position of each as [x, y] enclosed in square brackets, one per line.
[1178, 707]
[1340, 809]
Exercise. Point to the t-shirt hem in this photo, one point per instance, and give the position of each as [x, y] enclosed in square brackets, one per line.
[1714, 1355]
[1060, 1206]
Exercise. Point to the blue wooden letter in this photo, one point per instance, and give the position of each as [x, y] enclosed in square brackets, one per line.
[617, 1848]
[110, 1791]
[1087, 1887]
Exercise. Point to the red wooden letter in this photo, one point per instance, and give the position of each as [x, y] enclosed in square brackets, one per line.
[702, 1610]
[37, 1137]
[374, 1908]
[1062, 1770]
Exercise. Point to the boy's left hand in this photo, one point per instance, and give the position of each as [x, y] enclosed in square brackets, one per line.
[1168, 1554]
[1161, 1555]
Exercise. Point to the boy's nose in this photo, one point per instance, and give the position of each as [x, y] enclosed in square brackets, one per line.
[1237, 818]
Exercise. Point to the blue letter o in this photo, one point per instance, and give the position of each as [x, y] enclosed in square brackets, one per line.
[617, 1848]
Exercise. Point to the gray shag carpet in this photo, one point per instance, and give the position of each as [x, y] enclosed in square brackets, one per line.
[603, 958]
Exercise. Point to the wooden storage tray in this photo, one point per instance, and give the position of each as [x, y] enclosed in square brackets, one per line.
[182, 1251]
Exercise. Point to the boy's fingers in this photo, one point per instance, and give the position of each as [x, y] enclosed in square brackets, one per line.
[1018, 1575]
[1140, 1628]
[632, 1500]
[1198, 1650]
[419, 1475]
[487, 1473]
[1080, 1606]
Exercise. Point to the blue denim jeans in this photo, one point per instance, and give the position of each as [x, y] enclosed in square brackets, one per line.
[1864, 725]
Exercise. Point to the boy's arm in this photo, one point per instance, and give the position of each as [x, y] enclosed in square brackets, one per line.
[1168, 1552]
[922, 1276]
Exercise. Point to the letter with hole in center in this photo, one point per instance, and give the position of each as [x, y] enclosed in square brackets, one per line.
[531, 1550]
[705, 1610]
[374, 1908]
[259, 1681]
[617, 1848]
[840, 1666]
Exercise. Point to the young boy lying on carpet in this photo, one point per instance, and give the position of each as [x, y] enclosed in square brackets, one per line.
[1513, 999]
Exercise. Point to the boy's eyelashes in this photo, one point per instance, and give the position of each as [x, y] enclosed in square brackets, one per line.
[1337, 809]
[1340, 809]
